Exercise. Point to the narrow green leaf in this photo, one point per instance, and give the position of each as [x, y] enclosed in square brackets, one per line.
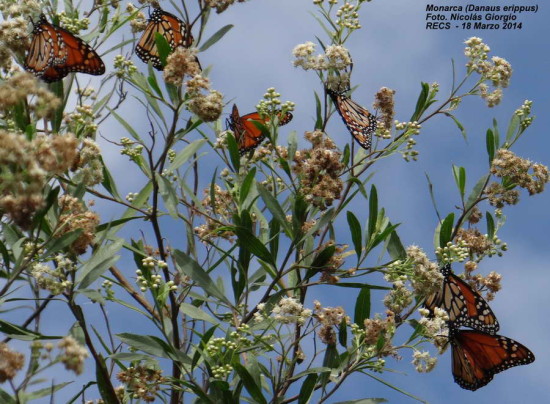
[103, 257]
[355, 229]
[477, 191]
[148, 344]
[307, 388]
[47, 391]
[216, 37]
[490, 225]
[247, 185]
[343, 333]
[459, 174]
[512, 129]
[204, 340]
[276, 210]
[250, 385]
[234, 154]
[362, 306]
[108, 181]
[458, 124]
[320, 261]
[446, 230]
[59, 243]
[373, 212]
[274, 235]
[395, 247]
[490, 143]
[421, 102]
[253, 244]
[186, 154]
[104, 385]
[196, 313]
[168, 194]
[190, 267]
[20, 333]
[163, 47]
[126, 126]
[318, 112]
[6, 398]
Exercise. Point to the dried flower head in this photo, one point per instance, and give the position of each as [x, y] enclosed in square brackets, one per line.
[181, 62]
[319, 169]
[143, 382]
[75, 216]
[384, 102]
[72, 355]
[10, 362]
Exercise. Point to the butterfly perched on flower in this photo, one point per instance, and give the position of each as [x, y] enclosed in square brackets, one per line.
[55, 52]
[171, 28]
[478, 356]
[359, 121]
[247, 134]
[464, 305]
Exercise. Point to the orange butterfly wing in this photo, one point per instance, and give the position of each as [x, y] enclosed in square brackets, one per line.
[55, 52]
[170, 27]
[359, 121]
[478, 356]
[464, 305]
[44, 48]
[247, 134]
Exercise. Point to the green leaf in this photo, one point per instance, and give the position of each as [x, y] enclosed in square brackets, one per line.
[477, 191]
[276, 210]
[490, 143]
[355, 229]
[234, 154]
[307, 388]
[330, 360]
[168, 194]
[490, 225]
[204, 340]
[318, 112]
[126, 126]
[6, 398]
[421, 102]
[149, 344]
[196, 313]
[216, 37]
[512, 128]
[446, 230]
[20, 333]
[458, 124]
[108, 181]
[373, 212]
[103, 383]
[395, 248]
[104, 257]
[186, 154]
[247, 185]
[250, 385]
[130, 356]
[320, 261]
[343, 333]
[362, 306]
[47, 391]
[163, 47]
[59, 243]
[253, 244]
[190, 267]
[460, 179]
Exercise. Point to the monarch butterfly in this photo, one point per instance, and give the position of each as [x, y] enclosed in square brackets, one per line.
[55, 52]
[478, 356]
[247, 134]
[463, 304]
[359, 121]
[171, 28]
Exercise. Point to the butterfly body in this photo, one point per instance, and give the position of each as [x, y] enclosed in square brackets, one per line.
[464, 305]
[55, 52]
[170, 27]
[359, 121]
[247, 134]
[478, 356]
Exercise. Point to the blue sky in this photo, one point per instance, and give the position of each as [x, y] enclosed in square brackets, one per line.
[394, 49]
